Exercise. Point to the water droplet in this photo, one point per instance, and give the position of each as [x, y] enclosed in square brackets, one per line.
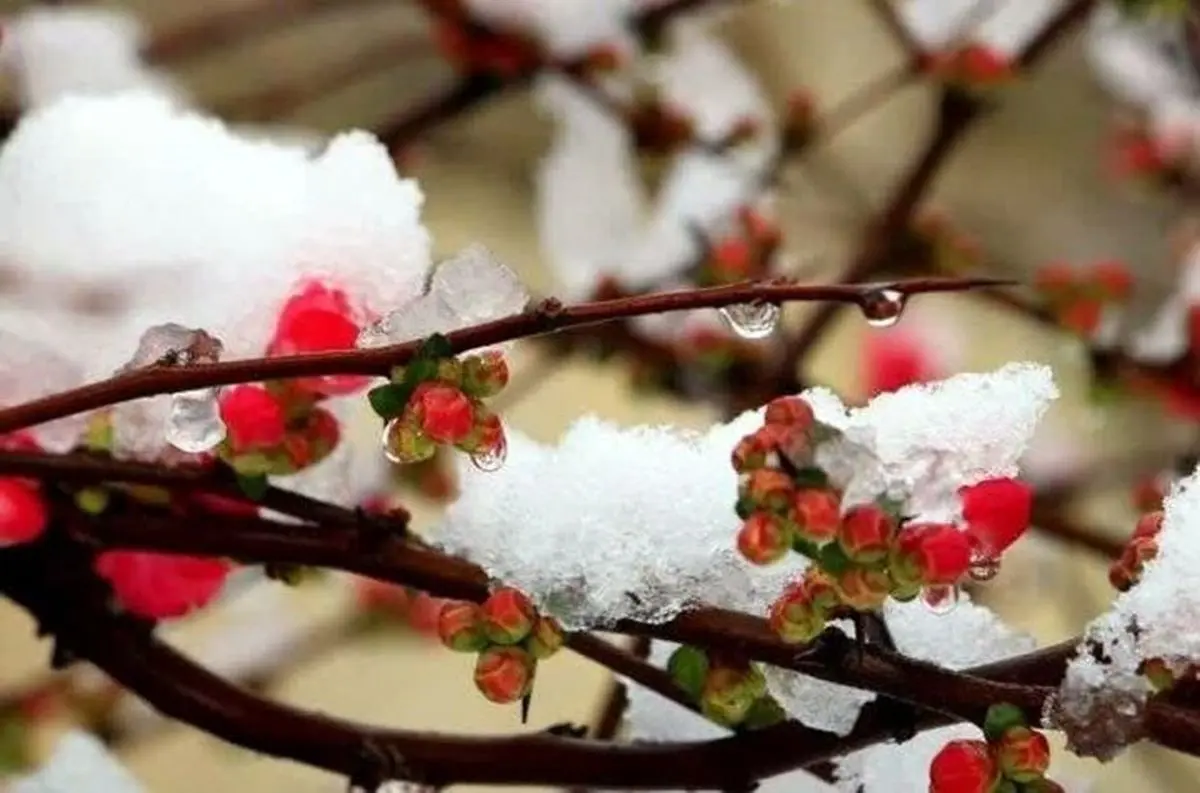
[405, 444]
[194, 424]
[882, 307]
[983, 568]
[940, 599]
[491, 459]
[752, 320]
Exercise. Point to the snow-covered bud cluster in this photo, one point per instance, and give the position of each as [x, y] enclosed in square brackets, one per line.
[1012, 759]
[510, 637]
[731, 692]
[861, 553]
[1079, 298]
[437, 400]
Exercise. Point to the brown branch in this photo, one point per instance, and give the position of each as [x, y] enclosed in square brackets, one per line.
[547, 316]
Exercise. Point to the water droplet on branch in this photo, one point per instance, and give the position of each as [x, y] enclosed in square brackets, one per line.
[491, 459]
[752, 320]
[194, 424]
[940, 599]
[882, 308]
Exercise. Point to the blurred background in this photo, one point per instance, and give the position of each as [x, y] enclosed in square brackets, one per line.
[1029, 185]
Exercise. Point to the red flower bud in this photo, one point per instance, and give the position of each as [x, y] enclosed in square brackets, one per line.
[1081, 315]
[753, 452]
[790, 412]
[508, 616]
[254, 418]
[318, 318]
[817, 513]
[484, 374]
[425, 612]
[862, 588]
[23, 515]
[981, 65]
[997, 512]
[732, 260]
[381, 597]
[486, 435]
[1056, 278]
[161, 586]
[460, 626]
[444, 413]
[404, 443]
[1023, 754]
[1149, 525]
[962, 767]
[545, 639]
[504, 674]
[866, 532]
[768, 489]
[798, 615]
[1113, 278]
[933, 554]
[764, 538]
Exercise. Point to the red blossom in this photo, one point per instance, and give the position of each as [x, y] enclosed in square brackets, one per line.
[443, 412]
[817, 513]
[938, 554]
[962, 767]
[997, 512]
[894, 359]
[318, 318]
[161, 586]
[254, 418]
[763, 538]
[865, 533]
[23, 515]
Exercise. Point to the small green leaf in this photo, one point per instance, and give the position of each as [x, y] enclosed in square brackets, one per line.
[420, 371]
[688, 667]
[806, 547]
[833, 559]
[1001, 718]
[765, 712]
[810, 478]
[436, 346]
[744, 508]
[254, 486]
[388, 400]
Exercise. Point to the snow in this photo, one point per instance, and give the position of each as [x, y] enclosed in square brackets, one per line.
[80, 763]
[1004, 25]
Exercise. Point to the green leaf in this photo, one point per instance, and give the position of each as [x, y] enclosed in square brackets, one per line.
[418, 372]
[688, 667]
[388, 400]
[765, 712]
[254, 486]
[436, 346]
[833, 559]
[810, 478]
[806, 547]
[1001, 718]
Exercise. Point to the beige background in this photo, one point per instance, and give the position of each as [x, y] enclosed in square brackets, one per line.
[1028, 182]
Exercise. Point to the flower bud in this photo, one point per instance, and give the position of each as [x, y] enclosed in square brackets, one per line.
[754, 451]
[460, 626]
[504, 674]
[424, 612]
[23, 514]
[404, 443]
[764, 538]
[865, 533]
[485, 374]
[1113, 279]
[795, 616]
[253, 417]
[1023, 754]
[769, 490]
[862, 588]
[817, 512]
[161, 586]
[730, 691]
[997, 512]
[444, 413]
[962, 767]
[933, 554]
[508, 616]
[545, 639]
[486, 435]
[790, 412]
[1149, 525]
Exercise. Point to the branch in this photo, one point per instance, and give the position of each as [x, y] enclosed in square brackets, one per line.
[547, 316]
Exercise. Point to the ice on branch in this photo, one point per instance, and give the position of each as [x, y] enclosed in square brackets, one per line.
[471, 288]
[79, 763]
[54, 52]
[1005, 26]
[1105, 687]
[654, 718]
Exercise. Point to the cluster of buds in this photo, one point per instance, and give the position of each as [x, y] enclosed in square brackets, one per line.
[658, 128]
[1078, 297]
[274, 430]
[438, 400]
[861, 553]
[745, 254]
[729, 691]
[509, 636]
[974, 67]
[1136, 154]
[937, 242]
[1013, 759]
[1126, 571]
[23, 510]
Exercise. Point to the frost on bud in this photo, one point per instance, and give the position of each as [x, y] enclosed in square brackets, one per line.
[997, 512]
[962, 767]
[730, 692]
[23, 514]
[253, 417]
[545, 639]
[484, 375]
[504, 674]
[865, 533]
[1023, 754]
[767, 489]
[817, 513]
[932, 554]
[443, 412]
[862, 588]
[764, 538]
[160, 586]
[799, 614]
[508, 616]
[460, 626]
